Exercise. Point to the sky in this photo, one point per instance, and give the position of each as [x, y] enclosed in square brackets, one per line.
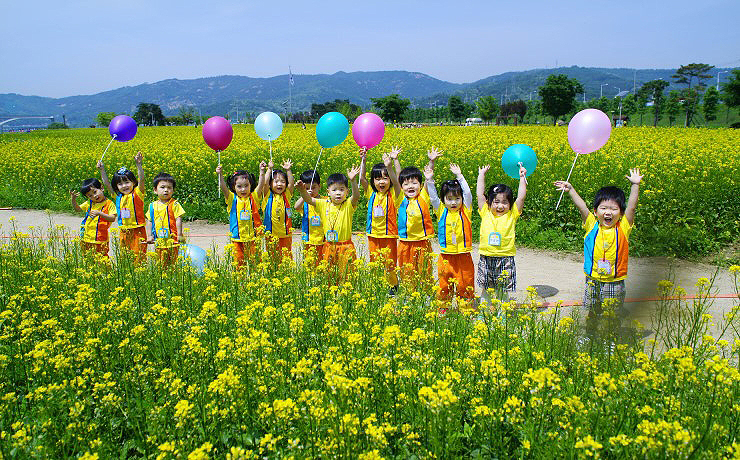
[57, 49]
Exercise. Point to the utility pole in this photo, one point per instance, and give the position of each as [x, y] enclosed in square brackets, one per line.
[718, 74]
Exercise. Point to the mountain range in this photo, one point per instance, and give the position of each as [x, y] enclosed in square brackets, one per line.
[228, 93]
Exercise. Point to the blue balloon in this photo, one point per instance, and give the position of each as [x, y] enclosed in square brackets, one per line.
[268, 126]
[194, 256]
[518, 153]
[332, 129]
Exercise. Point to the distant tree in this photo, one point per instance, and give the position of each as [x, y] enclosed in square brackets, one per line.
[104, 118]
[711, 98]
[518, 108]
[653, 90]
[57, 125]
[342, 106]
[731, 90]
[558, 95]
[149, 115]
[391, 107]
[186, 115]
[487, 108]
[601, 103]
[685, 75]
[673, 106]
[457, 108]
[351, 111]
[629, 105]
[534, 109]
[641, 104]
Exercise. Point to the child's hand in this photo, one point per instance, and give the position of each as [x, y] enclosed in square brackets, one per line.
[73, 194]
[263, 167]
[434, 153]
[455, 169]
[138, 158]
[483, 169]
[300, 185]
[387, 160]
[353, 172]
[563, 185]
[522, 171]
[270, 165]
[219, 169]
[95, 213]
[100, 165]
[287, 164]
[363, 152]
[634, 177]
[395, 150]
[428, 172]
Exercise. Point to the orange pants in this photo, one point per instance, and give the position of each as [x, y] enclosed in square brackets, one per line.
[319, 248]
[276, 250]
[460, 267]
[168, 256]
[100, 248]
[340, 256]
[412, 258]
[134, 239]
[375, 245]
[240, 247]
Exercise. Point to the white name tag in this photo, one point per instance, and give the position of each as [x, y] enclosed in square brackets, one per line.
[244, 215]
[604, 267]
[494, 239]
[315, 221]
[332, 236]
[378, 211]
[289, 212]
[163, 233]
[453, 238]
[125, 213]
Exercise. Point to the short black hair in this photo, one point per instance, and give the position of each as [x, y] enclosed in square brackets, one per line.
[495, 189]
[410, 172]
[163, 176]
[379, 170]
[88, 184]
[610, 193]
[231, 181]
[120, 175]
[276, 172]
[310, 176]
[337, 178]
[451, 186]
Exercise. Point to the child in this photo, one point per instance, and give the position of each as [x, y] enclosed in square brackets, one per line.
[499, 213]
[99, 213]
[276, 210]
[241, 193]
[311, 222]
[336, 211]
[415, 227]
[455, 234]
[382, 214]
[129, 193]
[606, 243]
[164, 220]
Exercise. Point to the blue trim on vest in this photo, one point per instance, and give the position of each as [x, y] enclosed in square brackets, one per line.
[268, 214]
[402, 218]
[442, 229]
[151, 219]
[421, 211]
[84, 220]
[234, 219]
[589, 244]
[118, 208]
[369, 224]
[305, 223]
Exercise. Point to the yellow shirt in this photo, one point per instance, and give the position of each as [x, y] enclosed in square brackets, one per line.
[312, 224]
[276, 214]
[163, 218]
[497, 233]
[454, 230]
[414, 217]
[337, 219]
[130, 209]
[606, 250]
[93, 229]
[243, 216]
[382, 214]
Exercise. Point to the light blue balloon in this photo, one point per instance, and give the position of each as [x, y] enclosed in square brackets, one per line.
[194, 256]
[332, 129]
[518, 153]
[268, 126]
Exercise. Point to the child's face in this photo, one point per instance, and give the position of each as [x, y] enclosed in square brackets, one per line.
[313, 189]
[279, 184]
[500, 204]
[338, 193]
[164, 190]
[608, 213]
[382, 183]
[95, 195]
[411, 187]
[453, 202]
[125, 186]
[242, 187]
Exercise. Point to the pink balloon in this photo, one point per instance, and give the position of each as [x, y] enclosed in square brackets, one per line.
[589, 130]
[217, 133]
[368, 130]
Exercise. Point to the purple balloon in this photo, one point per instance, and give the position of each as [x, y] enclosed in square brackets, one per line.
[217, 133]
[588, 131]
[368, 130]
[123, 128]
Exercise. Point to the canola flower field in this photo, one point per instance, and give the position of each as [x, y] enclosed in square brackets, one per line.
[101, 360]
[688, 201]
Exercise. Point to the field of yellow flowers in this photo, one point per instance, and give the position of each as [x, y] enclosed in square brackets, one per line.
[688, 202]
[103, 361]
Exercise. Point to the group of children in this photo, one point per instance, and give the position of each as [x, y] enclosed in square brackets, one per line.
[398, 224]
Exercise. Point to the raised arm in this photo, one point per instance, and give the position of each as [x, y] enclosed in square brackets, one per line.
[139, 160]
[104, 178]
[431, 186]
[577, 200]
[635, 178]
[394, 168]
[480, 186]
[394, 156]
[73, 197]
[363, 168]
[301, 187]
[521, 193]
[268, 176]
[287, 164]
[467, 196]
[262, 179]
[352, 176]
[433, 154]
[222, 183]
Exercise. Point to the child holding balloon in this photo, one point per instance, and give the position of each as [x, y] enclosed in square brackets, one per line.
[276, 211]
[311, 221]
[129, 192]
[99, 213]
[242, 197]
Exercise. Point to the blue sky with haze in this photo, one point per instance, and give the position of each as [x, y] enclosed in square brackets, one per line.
[53, 48]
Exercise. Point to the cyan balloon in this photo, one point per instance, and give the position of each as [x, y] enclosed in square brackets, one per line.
[195, 256]
[518, 153]
[332, 129]
[268, 126]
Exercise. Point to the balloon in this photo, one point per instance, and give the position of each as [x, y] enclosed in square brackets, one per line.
[123, 127]
[518, 153]
[194, 256]
[268, 126]
[217, 133]
[368, 130]
[332, 129]
[588, 131]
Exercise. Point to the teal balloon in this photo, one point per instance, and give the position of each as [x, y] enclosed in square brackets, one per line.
[332, 129]
[194, 256]
[268, 126]
[518, 153]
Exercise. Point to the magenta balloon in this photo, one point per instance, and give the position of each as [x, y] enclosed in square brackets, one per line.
[123, 128]
[217, 133]
[589, 130]
[368, 130]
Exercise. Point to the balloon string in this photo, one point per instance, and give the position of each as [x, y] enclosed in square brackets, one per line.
[269, 140]
[109, 143]
[566, 180]
[218, 183]
[317, 164]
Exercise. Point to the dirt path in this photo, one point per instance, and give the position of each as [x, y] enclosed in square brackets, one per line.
[561, 270]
